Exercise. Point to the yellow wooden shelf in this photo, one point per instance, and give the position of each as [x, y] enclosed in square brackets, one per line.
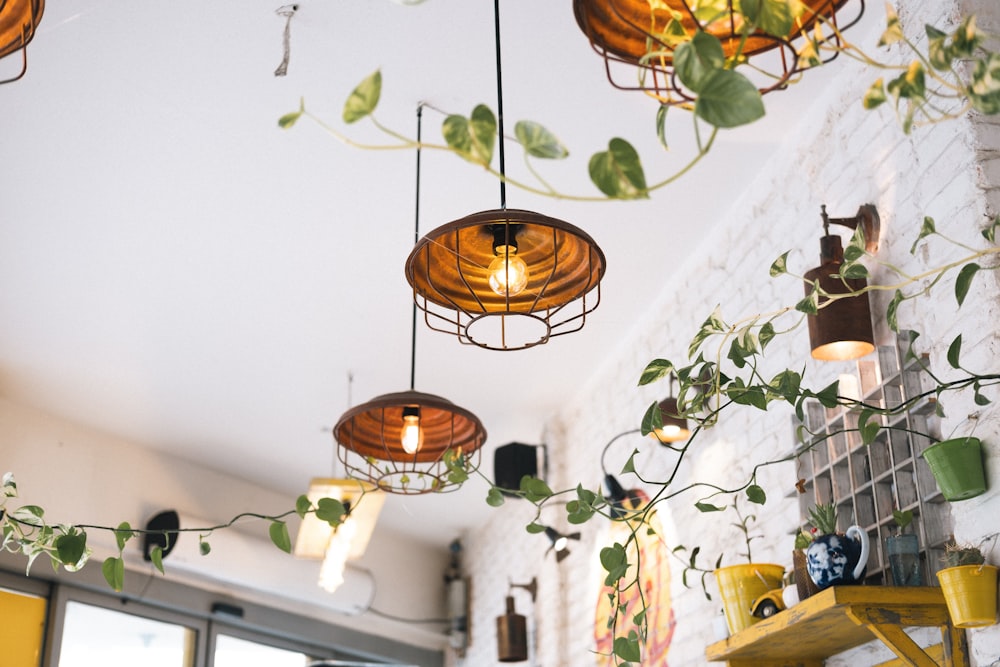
[841, 618]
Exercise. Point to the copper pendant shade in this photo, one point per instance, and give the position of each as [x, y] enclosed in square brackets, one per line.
[18, 21]
[449, 271]
[643, 34]
[371, 448]
[842, 328]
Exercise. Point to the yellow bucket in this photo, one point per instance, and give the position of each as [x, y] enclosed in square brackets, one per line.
[971, 594]
[740, 585]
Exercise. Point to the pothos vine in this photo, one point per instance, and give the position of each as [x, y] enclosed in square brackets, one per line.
[955, 73]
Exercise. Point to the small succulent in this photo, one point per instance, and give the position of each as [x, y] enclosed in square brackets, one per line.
[955, 555]
[823, 517]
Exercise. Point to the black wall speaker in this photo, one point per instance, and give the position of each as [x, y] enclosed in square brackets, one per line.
[164, 527]
[513, 461]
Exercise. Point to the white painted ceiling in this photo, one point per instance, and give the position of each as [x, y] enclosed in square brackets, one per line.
[178, 271]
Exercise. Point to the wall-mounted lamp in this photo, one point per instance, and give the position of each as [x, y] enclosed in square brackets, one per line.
[514, 461]
[842, 329]
[512, 628]
[673, 427]
[18, 22]
[640, 36]
[559, 542]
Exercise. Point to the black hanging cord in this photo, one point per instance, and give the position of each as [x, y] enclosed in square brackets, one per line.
[416, 238]
[503, 181]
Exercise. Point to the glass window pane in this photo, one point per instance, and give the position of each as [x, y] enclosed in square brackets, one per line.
[98, 636]
[22, 627]
[234, 652]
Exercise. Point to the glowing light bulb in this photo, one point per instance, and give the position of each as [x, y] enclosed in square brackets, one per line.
[411, 436]
[508, 272]
[560, 544]
[670, 431]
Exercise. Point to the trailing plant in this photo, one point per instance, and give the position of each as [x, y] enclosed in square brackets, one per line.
[26, 531]
[724, 356]
[953, 73]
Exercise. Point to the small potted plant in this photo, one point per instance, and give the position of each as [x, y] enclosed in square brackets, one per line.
[741, 585]
[904, 552]
[969, 586]
[833, 558]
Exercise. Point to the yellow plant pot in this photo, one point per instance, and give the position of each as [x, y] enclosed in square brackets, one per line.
[740, 585]
[971, 594]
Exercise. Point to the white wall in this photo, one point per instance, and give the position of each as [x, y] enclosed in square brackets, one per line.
[842, 156]
[78, 475]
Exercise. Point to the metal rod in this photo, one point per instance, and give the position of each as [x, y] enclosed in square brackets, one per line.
[416, 237]
[503, 180]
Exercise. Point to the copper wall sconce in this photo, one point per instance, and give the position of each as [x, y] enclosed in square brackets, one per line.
[842, 328]
[512, 628]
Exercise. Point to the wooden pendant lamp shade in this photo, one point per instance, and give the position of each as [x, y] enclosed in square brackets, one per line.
[643, 34]
[18, 21]
[371, 448]
[449, 271]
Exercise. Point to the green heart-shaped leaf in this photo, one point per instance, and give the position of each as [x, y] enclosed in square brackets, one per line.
[728, 99]
[364, 98]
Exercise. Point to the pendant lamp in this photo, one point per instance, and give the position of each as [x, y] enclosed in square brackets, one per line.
[506, 279]
[18, 22]
[842, 328]
[638, 37]
[401, 442]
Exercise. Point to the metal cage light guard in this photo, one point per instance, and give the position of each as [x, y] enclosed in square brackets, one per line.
[506, 279]
[631, 35]
[372, 437]
[19, 20]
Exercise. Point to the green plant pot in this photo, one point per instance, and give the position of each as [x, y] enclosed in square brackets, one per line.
[740, 585]
[970, 591]
[957, 466]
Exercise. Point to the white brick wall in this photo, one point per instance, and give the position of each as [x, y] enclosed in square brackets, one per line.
[842, 156]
